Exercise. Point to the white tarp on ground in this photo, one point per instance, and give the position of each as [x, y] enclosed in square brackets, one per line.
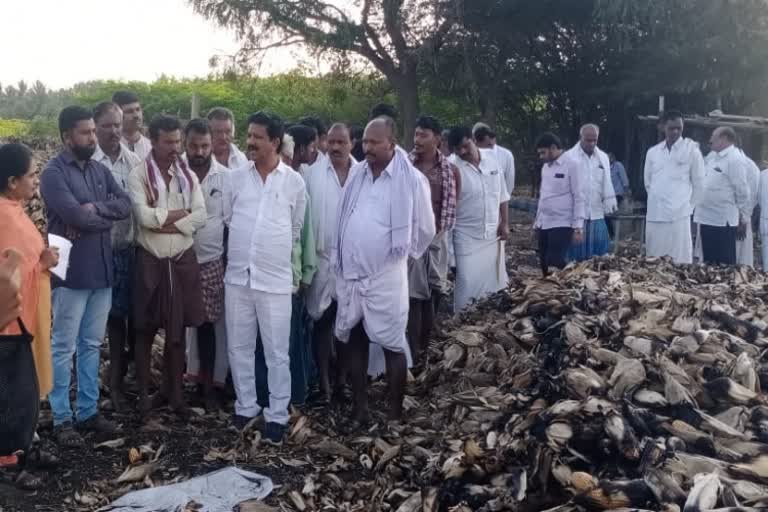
[215, 492]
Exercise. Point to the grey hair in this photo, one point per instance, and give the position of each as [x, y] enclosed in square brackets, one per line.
[591, 126]
[222, 114]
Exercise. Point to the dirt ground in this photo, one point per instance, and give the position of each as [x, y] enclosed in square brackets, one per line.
[86, 479]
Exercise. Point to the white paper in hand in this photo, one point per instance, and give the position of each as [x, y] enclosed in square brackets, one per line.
[64, 246]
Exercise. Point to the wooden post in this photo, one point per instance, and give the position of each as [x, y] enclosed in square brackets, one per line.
[195, 107]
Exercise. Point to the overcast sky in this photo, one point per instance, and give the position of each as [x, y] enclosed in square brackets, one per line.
[62, 42]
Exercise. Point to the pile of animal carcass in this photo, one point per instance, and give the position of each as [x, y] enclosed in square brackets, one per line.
[616, 384]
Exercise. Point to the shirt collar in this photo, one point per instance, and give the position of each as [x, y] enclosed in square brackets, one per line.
[68, 156]
[100, 155]
[387, 170]
[675, 145]
[725, 152]
[330, 167]
[559, 160]
[581, 151]
[280, 169]
[438, 163]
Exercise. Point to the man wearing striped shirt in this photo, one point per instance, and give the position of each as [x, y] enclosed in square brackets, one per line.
[207, 360]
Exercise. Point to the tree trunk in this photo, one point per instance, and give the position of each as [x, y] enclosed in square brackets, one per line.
[407, 87]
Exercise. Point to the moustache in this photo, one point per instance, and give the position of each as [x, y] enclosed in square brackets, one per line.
[252, 148]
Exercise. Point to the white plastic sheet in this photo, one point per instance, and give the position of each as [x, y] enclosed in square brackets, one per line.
[215, 492]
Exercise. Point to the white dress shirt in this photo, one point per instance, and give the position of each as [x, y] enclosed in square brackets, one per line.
[507, 162]
[237, 158]
[562, 197]
[753, 181]
[264, 219]
[123, 232]
[673, 180]
[725, 195]
[142, 148]
[175, 196]
[762, 200]
[595, 174]
[209, 240]
[368, 232]
[483, 189]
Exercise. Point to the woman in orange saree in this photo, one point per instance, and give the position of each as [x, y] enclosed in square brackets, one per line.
[18, 184]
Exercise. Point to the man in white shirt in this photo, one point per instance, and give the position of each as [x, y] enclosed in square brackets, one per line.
[207, 360]
[120, 161]
[722, 209]
[482, 220]
[325, 187]
[222, 123]
[485, 138]
[562, 203]
[673, 175]
[745, 247]
[264, 205]
[133, 123]
[762, 201]
[169, 207]
[385, 216]
[595, 169]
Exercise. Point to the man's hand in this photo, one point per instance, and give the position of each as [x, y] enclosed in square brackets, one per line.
[49, 258]
[175, 216]
[578, 235]
[741, 231]
[10, 286]
[89, 207]
[503, 231]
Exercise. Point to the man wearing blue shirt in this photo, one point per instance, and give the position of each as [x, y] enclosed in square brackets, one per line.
[83, 201]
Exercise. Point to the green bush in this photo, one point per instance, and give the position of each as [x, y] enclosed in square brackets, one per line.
[13, 128]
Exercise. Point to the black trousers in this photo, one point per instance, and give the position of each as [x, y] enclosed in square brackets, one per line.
[718, 244]
[553, 247]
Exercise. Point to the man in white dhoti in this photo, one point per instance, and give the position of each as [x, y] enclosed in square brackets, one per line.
[264, 208]
[481, 220]
[745, 247]
[325, 186]
[595, 169]
[722, 207]
[207, 361]
[674, 172]
[385, 216]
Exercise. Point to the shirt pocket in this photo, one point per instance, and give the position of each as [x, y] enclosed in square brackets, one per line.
[382, 210]
[492, 186]
[559, 183]
[279, 210]
[214, 204]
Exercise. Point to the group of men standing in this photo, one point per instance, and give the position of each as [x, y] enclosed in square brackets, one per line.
[718, 193]
[226, 251]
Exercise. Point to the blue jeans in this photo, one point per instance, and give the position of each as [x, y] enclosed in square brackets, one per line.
[79, 324]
